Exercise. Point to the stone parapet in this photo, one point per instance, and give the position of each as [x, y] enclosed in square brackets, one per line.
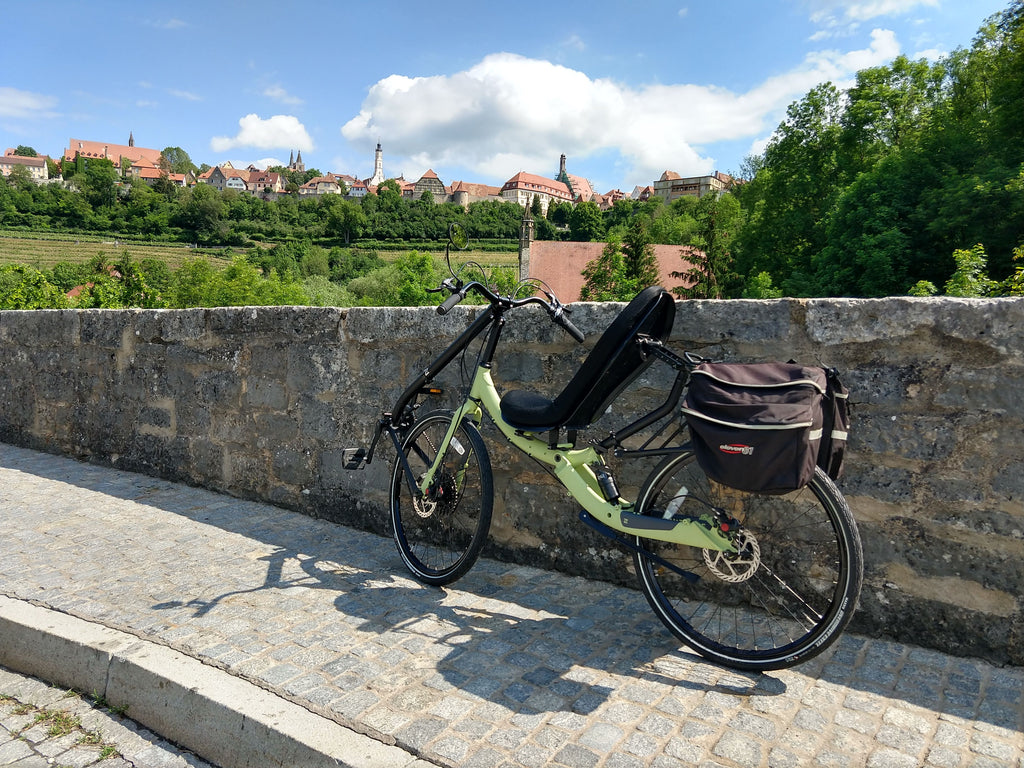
[261, 402]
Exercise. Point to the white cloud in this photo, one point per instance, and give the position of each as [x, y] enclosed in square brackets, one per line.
[186, 95]
[843, 16]
[278, 93]
[261, 163]
[169, 24]
[276, 131]
[932, 54]
[25, 104]
[510, 113]
[574, 43]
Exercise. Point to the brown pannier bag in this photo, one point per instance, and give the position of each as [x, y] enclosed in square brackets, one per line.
[759, 426]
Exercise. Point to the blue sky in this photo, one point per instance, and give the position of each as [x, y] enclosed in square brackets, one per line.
[477, 91]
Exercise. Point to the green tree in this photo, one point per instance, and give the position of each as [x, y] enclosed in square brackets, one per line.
[22, 287]
[200, 213]
[969, 279]
[324, 293]
[22, 151]
[887, 110]
[345, 220]
[1014, 284]
[639, 263]
[604, 278]
[559, 213]
[760, 286]
[193, 284]
[923, 288]
[98, 182]
[315, 262]
[176, 160]
[793, 193]
[197, 283]
[389, 194]
[710, 273]
[65, 275]
[875, 244]
[20, 178]
[586, 223]
[346, 265]
[403, 283]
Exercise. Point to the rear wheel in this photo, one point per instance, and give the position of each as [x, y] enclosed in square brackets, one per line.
[783, 597]
[440, 533]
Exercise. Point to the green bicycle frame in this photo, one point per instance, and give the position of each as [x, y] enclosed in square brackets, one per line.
[572, 467]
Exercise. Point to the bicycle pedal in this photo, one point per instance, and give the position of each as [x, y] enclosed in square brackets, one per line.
[353, 458]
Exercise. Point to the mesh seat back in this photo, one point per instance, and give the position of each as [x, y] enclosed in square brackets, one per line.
[615, 361]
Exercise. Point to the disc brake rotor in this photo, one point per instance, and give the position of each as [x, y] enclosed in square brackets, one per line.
[443, 496]
[735, 567]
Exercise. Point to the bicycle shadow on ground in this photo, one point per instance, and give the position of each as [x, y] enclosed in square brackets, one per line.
[502, 634]
[365, 578]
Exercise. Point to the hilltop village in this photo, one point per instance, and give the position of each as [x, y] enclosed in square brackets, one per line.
[149, 165]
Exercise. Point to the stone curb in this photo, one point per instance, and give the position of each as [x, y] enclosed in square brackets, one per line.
[220, 717]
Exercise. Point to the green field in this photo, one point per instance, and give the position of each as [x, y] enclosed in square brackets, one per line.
[44, 252]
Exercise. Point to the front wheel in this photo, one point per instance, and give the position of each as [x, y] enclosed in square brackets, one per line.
[440, 533]
[783, 597]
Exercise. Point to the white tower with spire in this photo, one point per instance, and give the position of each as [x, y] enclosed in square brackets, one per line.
[378, 168]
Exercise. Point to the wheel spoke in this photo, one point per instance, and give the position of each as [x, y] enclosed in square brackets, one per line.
[784, 594]
[440, 533]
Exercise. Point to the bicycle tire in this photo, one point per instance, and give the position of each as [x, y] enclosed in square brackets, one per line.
[783, 599]
[440, 535]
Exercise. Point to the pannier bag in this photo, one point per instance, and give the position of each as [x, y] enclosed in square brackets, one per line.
[836, 425]
[761, 427]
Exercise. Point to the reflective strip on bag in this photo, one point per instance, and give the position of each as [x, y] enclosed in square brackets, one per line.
[744, 425]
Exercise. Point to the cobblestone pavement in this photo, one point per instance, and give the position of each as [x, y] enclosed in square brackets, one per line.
[512, 666]
[45, 727]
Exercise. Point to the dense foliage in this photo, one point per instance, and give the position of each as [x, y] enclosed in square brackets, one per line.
[876, 190]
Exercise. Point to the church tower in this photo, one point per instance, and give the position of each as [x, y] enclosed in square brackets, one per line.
[563, 176]
[378, 168]
[131, 139]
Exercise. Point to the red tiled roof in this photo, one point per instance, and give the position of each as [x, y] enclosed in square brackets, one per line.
[477, 190]
[581, 187]
[561, 264]
[531, 181]
[113, 152]
[35, 162]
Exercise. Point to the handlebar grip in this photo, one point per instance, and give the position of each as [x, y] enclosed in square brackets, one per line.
[571, 329]
[450, 302]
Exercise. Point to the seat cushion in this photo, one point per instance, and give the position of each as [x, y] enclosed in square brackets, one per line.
[528, 410]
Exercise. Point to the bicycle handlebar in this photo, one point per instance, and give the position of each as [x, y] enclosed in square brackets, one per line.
[567, 324]
[450, 302]
[555, 309]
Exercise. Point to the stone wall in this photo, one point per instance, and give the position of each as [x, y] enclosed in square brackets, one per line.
[261, 402]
